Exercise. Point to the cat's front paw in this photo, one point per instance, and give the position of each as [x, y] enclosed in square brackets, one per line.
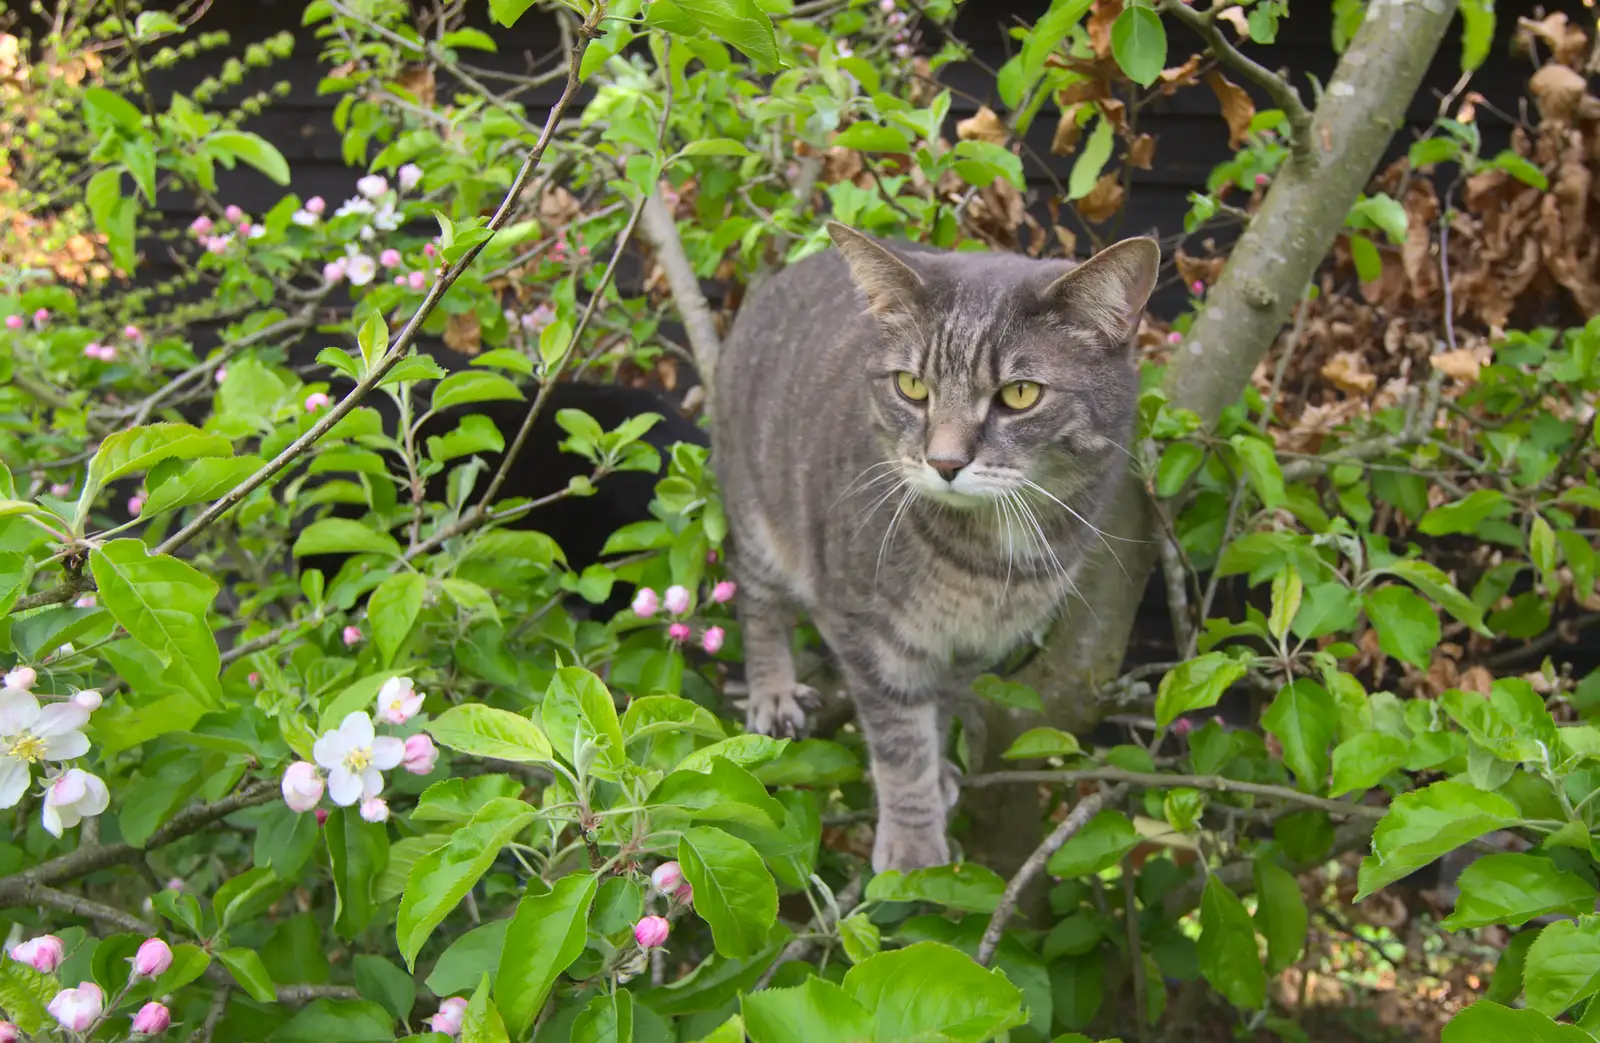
[782, 713]
[950, 784]
[904, 848]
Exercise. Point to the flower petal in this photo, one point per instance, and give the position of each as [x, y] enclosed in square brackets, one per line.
[18, 710]
[60, 718]
[97, 799]
[387, 753]
[330, 750]
[357, 730]
[66, 746]
[371, 783]
[344, 786]
[53, 821]
[14, 779]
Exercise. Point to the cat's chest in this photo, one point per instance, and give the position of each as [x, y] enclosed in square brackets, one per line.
[981, 615]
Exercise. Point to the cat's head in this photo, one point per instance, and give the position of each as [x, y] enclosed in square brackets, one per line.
[991, 371]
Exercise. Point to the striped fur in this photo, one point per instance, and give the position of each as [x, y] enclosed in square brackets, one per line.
[834, 511]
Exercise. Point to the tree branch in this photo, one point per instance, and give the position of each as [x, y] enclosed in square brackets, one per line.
[1151, 780]
[660, 228]
[1280, 90]
[847, 899]
[1087, 809]
[38, 894]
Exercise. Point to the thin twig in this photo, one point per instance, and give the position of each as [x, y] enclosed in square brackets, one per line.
[1130, 915]
[138, 64]
[87, 908]
[219, 1009]
[844, 901]
[1087, 809]
[1150, 780]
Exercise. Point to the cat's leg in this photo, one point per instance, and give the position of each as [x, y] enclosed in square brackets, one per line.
[778, 703]
[909, 772]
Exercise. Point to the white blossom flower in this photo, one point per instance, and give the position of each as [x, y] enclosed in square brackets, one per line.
[386, 217]
[71, 798]
[361, 270]
[23, 676]
[398, 700]
[355, 757]
[304, 218]
[354, 205]
[410, 177]
[372, 186]
[29, 735]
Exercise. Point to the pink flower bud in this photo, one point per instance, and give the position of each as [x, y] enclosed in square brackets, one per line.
[723, 592]
[375, 809]
[399, 280]
[886, 6]
[317, 400]
[712, 557]
[583, 251]
[244, 228]
[418, 279]
[1261, 180]
[91, 351]
[410, 176]
[233, 212]
[302, 786]
[135, 504]
[13, 322]
[1183, 726]
[429, 250]
[667, 878]
[390, 258]
[316, 204]
[61, 490]
[1174, 337]
[175, 884]
[222, 374]
[41, 317]
[76, 1009]
[645, 603]
[452, 1012]
[89, 699]
[322, 817]
[679, 632]
[87, 601]
[352, 635]
[903, 51]
[253, 678]
[22, 677]
[201, 226]
[108, 353]
[1198, 287]
[152, 959]
[651, 932]
[153, 1018]
[685, 894]
[421, 755]
[333, 271]
[9, 1033]
[132, 332]
[711, 640]
[677, 600]
[217, 244]
[44, 953]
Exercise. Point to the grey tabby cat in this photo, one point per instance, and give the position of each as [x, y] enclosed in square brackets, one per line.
[913, 448]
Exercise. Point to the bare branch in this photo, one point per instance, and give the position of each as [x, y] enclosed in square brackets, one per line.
[843, 902]
[1150, 780]
[661, 229]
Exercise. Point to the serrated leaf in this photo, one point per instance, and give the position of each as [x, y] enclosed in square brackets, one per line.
[254, 150]
[1228, 956]
[546, 934]
[473, 385]
[1407, 627]
[1424, 824]
[1512, 889]
[1305, 720]
[733, 891]
[484, 731]
[343, 536]
[162, 602]
[393, 608]
[1196, 684]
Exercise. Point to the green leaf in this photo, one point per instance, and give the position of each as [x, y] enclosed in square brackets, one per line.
[1178, 461]
[1229, 959]
[393, 608]
[1383, 213]
[578, 710]
[1139, 44]
[141, 448]
[475, 434]
[733, 891]
[467, 959]
[484, 731]
[714, 147]
[251, 974]
[747, 751]
[200, 482]
[1477, 32]
[343, 536]
[1488, 1022]
[473, 385]
[373, 340]
[932, 991]
[1362, 761]
[1463, 515]
[506, 12]
[1542, 550]
[1519, 168]
[817, 1010]
[727, 793]
[866, 136]
[1196, 685]
[441, 878]
[254, 150]
[1426, 823]
[25, 995]
[1281, 915]
[967, 886]
[482, 1022]
[1512, 889]
[1260, 465]
[1407, 626]
[1368, 262]
[1563, 966]
[1305, 720]
[350, 1021]
[1432, 581]
[114, 216]
[859, 936]
[162, 602]
[1086, 169]
[1043, 742]
[607, 1019]
[102, 106]
[386, 985]
[1008, 693]
[547, 933]
[741, 23]
[358, 853]
[1101, 843]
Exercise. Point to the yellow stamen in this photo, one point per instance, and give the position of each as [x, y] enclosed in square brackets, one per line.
[28, 748]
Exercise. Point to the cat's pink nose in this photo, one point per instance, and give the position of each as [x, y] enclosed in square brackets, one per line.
[948, 469]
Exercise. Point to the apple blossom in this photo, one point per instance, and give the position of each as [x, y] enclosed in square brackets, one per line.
[679, 632]
[390, 258]
[356, 757]
[421, 755]
[233, 212]
[428, 250]
[317, 400]
[152, 959]
[333, 271]
[667, 877]
[418, 279]
[29, 734]
[153, 1018]
[361, 270]
[222, 374]
[302, 786]
[72, 797]
[135, 504]
[651, 932]
[351, 635]
[41, 316]
[9, 1033]
[316, 204]
[677, 600]
[398, 700]
[13, 322]
[61, 490]
[375, 809]
[22, 677]
[903, 51]
[645, 603]
[724, 591]
[218, 244]
[201, 226]
[87, 601]
[452, 1012]
[132, 333]
[303, 218]
[44, 953]
[410, 177]
[372, 186]
[89, 699]
[76, 1009]
[712, 639]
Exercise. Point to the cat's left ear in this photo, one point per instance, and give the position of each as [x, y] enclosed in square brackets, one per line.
[1110, 289]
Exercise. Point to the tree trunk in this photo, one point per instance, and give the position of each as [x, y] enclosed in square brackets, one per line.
[1361, 108]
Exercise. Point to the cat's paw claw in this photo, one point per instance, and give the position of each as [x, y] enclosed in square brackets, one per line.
[781, 714]
[905, 849]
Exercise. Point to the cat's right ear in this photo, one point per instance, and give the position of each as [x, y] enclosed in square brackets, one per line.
[1109, 290]
[891, 285]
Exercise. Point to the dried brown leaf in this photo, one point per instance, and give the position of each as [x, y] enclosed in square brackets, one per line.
[1065, 140]
[463, 334]
[1559, 91]
[984, 125]
[1101, 18]
[1348, 371]
[1103, 200]
[1142, 152]
[1237, 108]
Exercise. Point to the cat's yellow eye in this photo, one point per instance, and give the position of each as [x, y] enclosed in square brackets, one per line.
[911, 386]
[1019, 394]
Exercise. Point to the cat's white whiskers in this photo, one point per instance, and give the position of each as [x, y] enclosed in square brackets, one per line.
[860, 477]
[1035, 486]
[1060, 569]
[901, 484]
[1006, 520]
[888, 534]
